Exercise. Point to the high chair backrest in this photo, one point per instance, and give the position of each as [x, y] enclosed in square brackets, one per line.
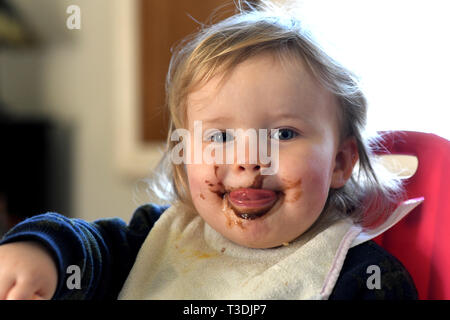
[421, 241]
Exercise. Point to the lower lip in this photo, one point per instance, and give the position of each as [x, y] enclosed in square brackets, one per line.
[252, 203]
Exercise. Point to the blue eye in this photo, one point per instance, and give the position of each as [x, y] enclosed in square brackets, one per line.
[219, 137]
[284, 134]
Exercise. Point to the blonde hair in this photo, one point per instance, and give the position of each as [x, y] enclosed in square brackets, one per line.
[218, 48]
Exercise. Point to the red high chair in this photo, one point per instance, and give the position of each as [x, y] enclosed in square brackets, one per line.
[421, 241]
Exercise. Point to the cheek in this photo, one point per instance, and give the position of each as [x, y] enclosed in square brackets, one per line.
[319, 180]
[313, 167]
[319, 172]
[204, 187]
[195, 176]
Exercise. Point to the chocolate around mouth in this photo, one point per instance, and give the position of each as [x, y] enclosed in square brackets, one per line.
[250, 213]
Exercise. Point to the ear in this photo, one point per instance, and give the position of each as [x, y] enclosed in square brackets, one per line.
[346, 158]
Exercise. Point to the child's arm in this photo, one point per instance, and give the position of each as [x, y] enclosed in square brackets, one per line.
[104, 251]
[358, 281]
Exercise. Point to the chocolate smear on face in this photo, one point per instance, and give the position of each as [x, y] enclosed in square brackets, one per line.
[296, 193]
[294, 197]
[216, 188]
[291, 184]
[230, 214]
[257, 182]
[235, 215]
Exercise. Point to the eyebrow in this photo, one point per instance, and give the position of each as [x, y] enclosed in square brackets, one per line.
[283, 115]
[217, 119]
[289, 115]
[304, 118]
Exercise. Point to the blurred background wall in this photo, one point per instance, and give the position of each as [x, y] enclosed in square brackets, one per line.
[70, 78]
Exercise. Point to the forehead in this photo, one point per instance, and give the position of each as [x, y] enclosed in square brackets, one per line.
[265, 83]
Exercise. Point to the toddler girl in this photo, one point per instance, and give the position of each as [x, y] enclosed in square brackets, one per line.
[235, 228]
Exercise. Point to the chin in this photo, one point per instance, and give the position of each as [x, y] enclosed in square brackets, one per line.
[247, 241]
[259, 245]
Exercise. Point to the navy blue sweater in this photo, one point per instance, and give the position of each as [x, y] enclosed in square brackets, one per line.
[105, 251]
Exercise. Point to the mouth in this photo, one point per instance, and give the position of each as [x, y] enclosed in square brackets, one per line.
[251, 203]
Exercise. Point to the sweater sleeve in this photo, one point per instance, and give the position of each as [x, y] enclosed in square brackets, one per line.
[358, 274]
[104, 250]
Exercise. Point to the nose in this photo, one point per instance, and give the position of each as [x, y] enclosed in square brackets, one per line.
[244, 175]
[248, 162]
[239, 175]
[250, 168]
[246, 172]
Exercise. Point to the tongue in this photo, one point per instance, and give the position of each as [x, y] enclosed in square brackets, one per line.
[252, 197]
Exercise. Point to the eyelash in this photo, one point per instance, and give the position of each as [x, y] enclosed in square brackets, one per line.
[208, 138]
[223, 133]
[295, 134]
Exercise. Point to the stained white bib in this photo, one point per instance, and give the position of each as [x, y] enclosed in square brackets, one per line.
[184, 258]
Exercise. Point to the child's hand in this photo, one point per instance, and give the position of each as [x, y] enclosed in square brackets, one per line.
[27, 272]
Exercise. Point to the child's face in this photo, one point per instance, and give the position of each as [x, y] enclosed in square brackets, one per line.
[262, 93]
